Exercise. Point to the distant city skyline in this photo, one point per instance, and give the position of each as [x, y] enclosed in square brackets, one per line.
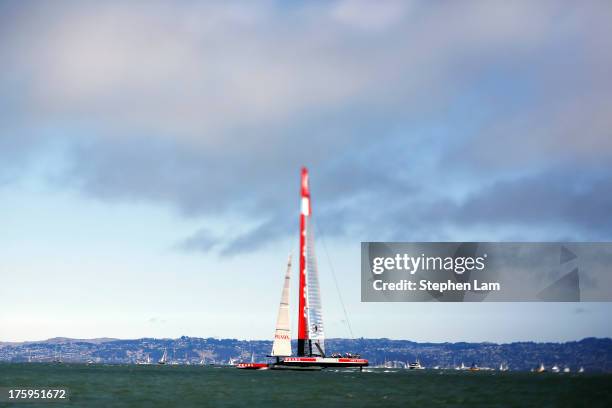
[150, 158]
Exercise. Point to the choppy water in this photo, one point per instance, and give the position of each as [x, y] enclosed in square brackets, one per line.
[186, 386]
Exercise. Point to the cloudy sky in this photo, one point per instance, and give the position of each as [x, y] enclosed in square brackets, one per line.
[150, 156]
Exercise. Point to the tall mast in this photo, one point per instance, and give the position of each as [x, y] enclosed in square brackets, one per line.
[302, 306]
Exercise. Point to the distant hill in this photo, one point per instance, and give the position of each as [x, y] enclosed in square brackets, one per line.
[594, 354]
[61, 340]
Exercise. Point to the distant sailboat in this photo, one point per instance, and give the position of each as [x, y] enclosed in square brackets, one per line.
[174, 361]
[581, 370]
[58, 356]
[541, 368]
[416, 365]
[164, 357]
[146, 361]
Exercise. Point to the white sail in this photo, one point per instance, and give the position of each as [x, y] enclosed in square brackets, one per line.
[282, 336]
[164, 357]
[315, 316]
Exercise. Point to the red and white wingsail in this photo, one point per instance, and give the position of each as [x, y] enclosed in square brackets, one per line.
[310, 319]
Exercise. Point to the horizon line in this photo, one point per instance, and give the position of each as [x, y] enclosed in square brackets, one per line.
[111, 339]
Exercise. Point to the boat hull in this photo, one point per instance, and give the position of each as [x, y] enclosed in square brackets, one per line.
[280, 366]
[323, 362]
[252, 366]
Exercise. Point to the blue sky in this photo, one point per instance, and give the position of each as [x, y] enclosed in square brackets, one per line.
[150, 155]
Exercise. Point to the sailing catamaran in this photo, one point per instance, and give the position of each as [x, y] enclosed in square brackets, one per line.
[311, 336]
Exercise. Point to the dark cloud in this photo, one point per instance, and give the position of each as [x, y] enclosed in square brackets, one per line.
[418, 121]
[258, 237]
[574, 198]
[202, 241]
[555, 205]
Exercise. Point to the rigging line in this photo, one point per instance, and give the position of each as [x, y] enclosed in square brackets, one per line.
[331, 267]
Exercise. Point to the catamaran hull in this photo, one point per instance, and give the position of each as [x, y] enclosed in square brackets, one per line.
[280, 366]
[323, 362]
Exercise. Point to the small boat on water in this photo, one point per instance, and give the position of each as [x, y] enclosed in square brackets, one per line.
[164, 358]
[416, 365]
[581, 370]
[252, 365]
[555, 369]
[58, 356]
[541, 368]
[311, 354]
[146, 361]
